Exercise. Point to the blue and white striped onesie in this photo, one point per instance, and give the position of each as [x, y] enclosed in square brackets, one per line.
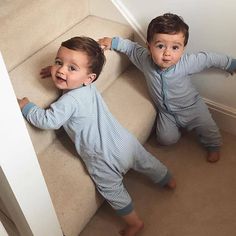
[107, 149]
[178, 102]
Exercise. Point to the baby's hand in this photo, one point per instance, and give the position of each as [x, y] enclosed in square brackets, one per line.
[45, 72]
[22, 102]
[105, 43]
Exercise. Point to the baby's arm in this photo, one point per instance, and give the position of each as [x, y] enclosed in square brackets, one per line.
[197, 62]
[52, 117]
[136, 53]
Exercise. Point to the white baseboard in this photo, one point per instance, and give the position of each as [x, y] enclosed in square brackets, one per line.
[224, 116]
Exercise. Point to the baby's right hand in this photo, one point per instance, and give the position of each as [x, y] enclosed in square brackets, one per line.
[45, 72]
[105, 43]
[22, 102]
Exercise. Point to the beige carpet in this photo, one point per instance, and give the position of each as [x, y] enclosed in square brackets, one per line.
[203, 204]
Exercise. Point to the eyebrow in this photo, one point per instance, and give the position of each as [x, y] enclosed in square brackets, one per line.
[158, 41]
[180, 44]
[74, 64]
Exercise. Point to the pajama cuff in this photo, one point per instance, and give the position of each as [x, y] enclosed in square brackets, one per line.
[27, 108]
[114, 43]
[213, 148]
[165, 180]
[126, 210]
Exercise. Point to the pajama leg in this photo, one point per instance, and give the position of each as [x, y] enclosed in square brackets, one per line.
[167, 130]
[109, 183]
[206, 128]
[118, 197]
[147, 164]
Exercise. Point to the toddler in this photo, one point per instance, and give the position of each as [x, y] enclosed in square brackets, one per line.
[167, 70]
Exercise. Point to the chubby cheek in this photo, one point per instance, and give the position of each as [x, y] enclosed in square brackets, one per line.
[53, 71]
[175, 59]
[156, 59]
[54, 79]
[74, 82]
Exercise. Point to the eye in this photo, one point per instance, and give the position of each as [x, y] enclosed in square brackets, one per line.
[160, 46]
[58, 62]
[72, 68]
[175, 47]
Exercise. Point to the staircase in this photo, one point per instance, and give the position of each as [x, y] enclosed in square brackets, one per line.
[31, 32]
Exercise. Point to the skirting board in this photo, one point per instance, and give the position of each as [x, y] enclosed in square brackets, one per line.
[224, 116]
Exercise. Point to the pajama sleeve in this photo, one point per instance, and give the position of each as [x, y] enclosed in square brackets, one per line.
[53, 117]
[137, 54]
[194, 63]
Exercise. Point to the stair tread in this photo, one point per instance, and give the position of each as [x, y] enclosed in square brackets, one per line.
[27, 26]
[130, 92]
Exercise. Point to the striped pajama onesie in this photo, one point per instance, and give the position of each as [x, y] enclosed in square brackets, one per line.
[107, 149]
[176, 99]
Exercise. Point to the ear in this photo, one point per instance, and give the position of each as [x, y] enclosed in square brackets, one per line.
[90, 79]
[148, 46]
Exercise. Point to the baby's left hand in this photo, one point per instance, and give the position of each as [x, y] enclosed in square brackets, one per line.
[22, 102]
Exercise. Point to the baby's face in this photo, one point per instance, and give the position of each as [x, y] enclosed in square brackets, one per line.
[71, 69]
[166, 49]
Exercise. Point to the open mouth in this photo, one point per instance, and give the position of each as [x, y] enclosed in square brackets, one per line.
[60, 78]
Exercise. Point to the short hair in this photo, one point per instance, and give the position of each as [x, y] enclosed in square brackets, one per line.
[167, 24]
[91, 48]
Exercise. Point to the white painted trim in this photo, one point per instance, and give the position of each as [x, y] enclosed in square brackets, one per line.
[23, 189]
[229, 111]
[224, 116]
[129, 17]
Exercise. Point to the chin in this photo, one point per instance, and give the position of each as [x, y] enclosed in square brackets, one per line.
[59, 87]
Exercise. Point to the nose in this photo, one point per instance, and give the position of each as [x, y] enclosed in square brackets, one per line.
[167, 52]
[61, 69]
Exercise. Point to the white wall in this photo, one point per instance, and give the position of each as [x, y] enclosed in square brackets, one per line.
[23, 189]
[211, 25]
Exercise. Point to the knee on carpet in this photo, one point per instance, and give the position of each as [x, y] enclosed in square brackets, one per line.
[166, 139]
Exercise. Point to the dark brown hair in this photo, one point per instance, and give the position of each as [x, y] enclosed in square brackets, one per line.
[91, 48]
[167, 24]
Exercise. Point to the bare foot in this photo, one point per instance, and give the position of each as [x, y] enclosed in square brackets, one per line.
[132, 230]
[171, 184]
[213, 156]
